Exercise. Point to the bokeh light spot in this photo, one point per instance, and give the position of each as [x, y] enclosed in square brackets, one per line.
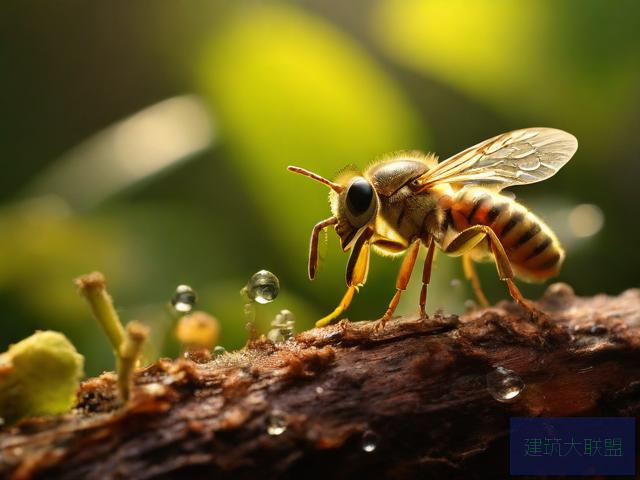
[586, 220]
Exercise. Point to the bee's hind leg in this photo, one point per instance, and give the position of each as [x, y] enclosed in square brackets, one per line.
[469, 238]
[472, 276]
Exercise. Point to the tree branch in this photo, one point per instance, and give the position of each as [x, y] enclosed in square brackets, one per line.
[418, 399]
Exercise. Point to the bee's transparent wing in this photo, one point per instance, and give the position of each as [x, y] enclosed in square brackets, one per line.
[514, 158]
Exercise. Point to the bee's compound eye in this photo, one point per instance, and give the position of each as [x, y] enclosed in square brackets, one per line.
[359, 196]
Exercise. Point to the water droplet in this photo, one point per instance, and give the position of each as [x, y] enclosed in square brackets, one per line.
[275, 335]
[522, 151]
[559, 289]
[169, 379]
[184, 299]
[282, 327]
[598, 329]
[319, 390]
[455, 283]
[470, 305]
[197, 354]
[263, 287]
[219, 350]
[369, 441]
[529, 164]
[155, 389]
[504, 385]
[276, 423]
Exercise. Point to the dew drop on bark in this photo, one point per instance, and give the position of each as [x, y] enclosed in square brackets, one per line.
[370, 441]
[470, 305]
[276, 423]
[282, 327]
[504, 385]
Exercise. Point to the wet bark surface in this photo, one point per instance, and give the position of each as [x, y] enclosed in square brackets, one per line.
[421, 398]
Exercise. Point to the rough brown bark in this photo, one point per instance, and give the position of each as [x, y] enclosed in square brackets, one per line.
[416, 391]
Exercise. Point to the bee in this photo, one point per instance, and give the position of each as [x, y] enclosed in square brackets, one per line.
[407, 200]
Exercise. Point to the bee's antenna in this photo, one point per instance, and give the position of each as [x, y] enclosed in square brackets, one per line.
[333, 186]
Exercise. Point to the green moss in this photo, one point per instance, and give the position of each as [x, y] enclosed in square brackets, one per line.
[39, 376]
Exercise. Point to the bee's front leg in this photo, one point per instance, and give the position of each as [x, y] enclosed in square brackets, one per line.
[313, 244]
[404, 275]
[342, 306]
[357, 269]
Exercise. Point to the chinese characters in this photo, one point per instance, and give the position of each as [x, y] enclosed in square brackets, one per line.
[538, 447]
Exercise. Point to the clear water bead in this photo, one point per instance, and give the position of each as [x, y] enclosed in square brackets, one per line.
[282, 327]
[263, 287]
[154, 389]
[369, 441]
[219, 350]
[275, 335]
[598, 329]
[529, 163]
[455, 283]
[504, 385]
[276, 423]
[184, 299]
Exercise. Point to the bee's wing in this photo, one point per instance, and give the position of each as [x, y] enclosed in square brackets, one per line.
[515, 158]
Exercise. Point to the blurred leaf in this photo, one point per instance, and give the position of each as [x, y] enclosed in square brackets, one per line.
[43, 247]
[289, 88]
[145, 251]
[129, 152]
[543, 58]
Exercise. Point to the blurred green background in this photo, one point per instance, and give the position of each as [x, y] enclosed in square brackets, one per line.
[149, 140]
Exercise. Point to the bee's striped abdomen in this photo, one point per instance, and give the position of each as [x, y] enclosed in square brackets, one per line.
[532, 248]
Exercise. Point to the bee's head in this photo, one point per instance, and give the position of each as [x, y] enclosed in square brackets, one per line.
[353, 200]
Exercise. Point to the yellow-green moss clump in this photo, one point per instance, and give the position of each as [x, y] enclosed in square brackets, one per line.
[39, 376]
